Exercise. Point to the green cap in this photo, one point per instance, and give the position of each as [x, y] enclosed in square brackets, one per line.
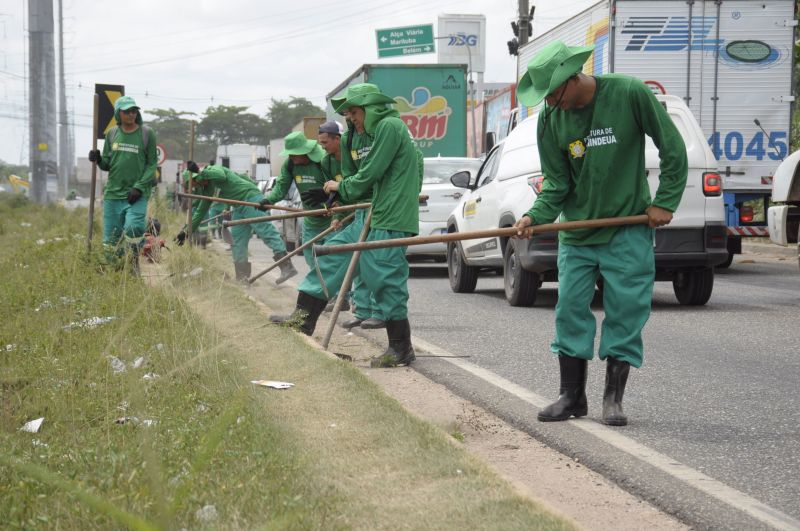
[549, 69]
[296, 143]
[124, 103]
[360, 95]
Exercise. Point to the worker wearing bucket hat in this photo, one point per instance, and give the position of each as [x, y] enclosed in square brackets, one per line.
[387, 165]
[302, 167]
[129, 157]
[219, 181]
[591, 141]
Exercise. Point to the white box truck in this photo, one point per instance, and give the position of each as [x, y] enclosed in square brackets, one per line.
[731, 62]
[245, 159]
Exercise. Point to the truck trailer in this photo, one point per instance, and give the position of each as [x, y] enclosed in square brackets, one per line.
[431, 100]
[731, 61]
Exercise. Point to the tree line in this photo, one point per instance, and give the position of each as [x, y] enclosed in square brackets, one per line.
[226, 124]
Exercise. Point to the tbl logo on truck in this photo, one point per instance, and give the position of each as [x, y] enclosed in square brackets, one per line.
[425, 115]
[674, 34]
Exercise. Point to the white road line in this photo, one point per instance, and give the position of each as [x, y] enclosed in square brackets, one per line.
[730, 496]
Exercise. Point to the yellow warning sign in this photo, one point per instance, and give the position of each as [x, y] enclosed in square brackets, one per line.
[109, 94]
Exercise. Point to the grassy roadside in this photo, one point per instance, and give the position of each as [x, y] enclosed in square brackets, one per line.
[332, 452]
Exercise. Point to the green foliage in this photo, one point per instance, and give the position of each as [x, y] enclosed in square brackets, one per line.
[283, 115]
[226, 124]
[210, 442]
[230, 124]
[7, 169]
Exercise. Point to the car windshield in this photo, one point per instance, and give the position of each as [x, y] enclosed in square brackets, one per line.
[439, 171]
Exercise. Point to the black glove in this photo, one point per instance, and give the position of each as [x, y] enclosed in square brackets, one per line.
[95, 155]
[192, 167]
[314, 196]
[264, 204]
[332, 199]
[134, 195]
[181, 237]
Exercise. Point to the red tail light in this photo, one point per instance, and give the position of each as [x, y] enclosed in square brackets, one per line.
[536, 183]
[712, 184]
[746, 214]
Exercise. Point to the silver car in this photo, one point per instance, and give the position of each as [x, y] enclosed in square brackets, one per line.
[437, 199]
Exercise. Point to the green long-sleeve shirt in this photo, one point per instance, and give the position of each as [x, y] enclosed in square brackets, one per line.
[593, 159]
[128, 164]
[387, 164]
[223, 183]
[305, 177]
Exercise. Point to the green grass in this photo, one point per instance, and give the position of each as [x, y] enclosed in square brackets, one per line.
[209, 444]
[334, 452]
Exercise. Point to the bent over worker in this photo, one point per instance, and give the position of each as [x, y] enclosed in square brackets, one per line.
[129, 157]
[303, 168]
[390, 168]
[591, 140]
[219, 181]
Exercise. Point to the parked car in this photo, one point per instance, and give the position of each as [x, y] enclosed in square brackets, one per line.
[507, 184]
[291, 230]
[437, 199]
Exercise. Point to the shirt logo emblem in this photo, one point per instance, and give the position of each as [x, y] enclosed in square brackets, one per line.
[354, 154]
[298, 178]
[577, 149]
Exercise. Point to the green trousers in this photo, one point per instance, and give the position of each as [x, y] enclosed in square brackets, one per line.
[308, 234]
[384, 272]
[215, 210]
[364, 304]
[123, 226]
[265, 230]
[627, 266]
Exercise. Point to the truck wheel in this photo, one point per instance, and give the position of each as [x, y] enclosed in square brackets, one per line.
[463, 278]
[693, 288]
[520, 285]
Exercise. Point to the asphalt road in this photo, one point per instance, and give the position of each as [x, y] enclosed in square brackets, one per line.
[715, 403]
[717, 393]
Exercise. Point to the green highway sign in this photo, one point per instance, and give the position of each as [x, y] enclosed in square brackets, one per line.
[409, 40]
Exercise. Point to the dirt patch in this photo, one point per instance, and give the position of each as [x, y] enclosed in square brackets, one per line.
[533, 468]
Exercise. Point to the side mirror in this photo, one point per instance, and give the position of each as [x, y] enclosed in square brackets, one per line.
[490, 141]
[461, 179]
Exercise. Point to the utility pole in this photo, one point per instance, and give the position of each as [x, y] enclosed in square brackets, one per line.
[522, 28]
[65, 149]
[523, 22]
[41, 87]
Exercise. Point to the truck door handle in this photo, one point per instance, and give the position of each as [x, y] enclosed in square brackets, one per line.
[478, 200]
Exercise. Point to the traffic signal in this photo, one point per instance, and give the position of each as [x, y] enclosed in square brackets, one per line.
[513, 46]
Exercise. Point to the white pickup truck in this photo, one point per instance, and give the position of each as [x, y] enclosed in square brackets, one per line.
[506, 186]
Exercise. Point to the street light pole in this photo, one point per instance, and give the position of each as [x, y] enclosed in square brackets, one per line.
[470, 93]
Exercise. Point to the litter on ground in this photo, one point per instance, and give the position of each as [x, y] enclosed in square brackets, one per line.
[273, 384]
[33, 426]
[91, 322]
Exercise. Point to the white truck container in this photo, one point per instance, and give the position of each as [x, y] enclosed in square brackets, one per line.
[731, 62]
[246, 159]
[274, 155]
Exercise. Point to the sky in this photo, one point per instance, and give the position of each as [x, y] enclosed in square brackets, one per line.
[192, 54]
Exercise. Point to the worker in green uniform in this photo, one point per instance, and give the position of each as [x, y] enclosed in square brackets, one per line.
[219, 181]
[389, 167]
[303, 168]
[129, 157]
[591, 140]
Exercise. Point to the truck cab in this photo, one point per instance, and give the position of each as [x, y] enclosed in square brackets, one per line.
[784, 217]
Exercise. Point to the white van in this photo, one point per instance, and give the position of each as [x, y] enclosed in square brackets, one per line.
[506, 186]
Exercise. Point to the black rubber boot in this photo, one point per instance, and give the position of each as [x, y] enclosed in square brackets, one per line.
[352, 323]
[287, 269]
[400, 351]
[372, 324]
[572, 393]
[616, 378]
[305, 315]
[242, 270]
